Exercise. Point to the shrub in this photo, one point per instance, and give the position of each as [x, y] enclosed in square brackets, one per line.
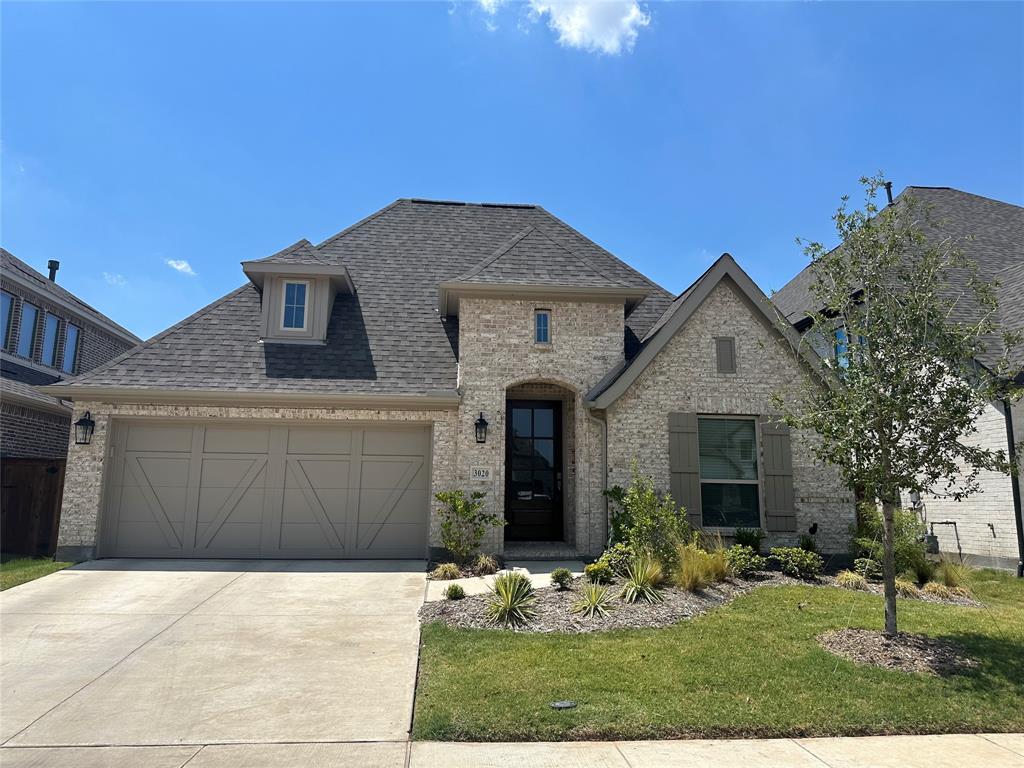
[598, 572]
[907, 588]
[744, 561]
[868, 568]
[923, 570]
[643, 576]
[749, 537]
[909, 547]
[485, 565]
[446, 572]
[691, 572]
[807, 543]
[952, 574]
[935, 589]
[594, 601]
[851, 580]
[463, 522]
[561, 577]
[511, 600]
[647, 523]
[617, 557]
[454, 592]
[797, 562]
[717, 562]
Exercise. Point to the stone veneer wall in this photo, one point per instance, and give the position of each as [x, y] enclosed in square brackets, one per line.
[85, 468]
[497, 352]
[684, 378]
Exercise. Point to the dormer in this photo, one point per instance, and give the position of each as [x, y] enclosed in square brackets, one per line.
[298, 287]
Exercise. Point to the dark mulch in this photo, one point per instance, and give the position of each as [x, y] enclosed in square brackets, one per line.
[906, 652]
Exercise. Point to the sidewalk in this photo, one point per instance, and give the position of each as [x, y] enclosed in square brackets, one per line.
[952, 751]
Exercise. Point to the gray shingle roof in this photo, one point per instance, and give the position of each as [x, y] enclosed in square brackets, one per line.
[18, 382]
[302, 252]
[388, 338]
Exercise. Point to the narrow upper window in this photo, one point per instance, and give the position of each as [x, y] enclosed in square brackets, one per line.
[70, 350]
[293, 310]
[27, 336]
[7, 304]
[542, 326]
[725, 354]
[50, 326]
[729, 488]
[842, 346]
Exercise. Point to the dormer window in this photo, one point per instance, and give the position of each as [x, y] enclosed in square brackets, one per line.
[293, 307]
[542, 326]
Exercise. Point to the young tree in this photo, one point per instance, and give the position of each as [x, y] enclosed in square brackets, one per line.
[909, 318]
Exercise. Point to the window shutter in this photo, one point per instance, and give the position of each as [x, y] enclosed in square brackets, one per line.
[684, 464]
[725, 354]
[779, 499]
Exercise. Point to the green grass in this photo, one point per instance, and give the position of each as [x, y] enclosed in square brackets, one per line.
[751, 668]
[21, 569]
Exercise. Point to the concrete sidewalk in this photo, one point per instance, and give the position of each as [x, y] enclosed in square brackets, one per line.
[950, 751]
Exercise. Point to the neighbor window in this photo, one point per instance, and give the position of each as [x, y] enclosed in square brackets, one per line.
[50, 326]
[842, 345]
[294, 307]
[729, 490]
[542, 326]
[7, 302]
[70, 350]
[27, 336]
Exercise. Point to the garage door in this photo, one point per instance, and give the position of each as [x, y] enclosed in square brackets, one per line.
[210, 490]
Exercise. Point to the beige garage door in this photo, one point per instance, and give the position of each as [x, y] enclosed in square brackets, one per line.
[181, 489]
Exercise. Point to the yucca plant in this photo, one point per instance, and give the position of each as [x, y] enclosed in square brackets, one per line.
[594, 601]
[643, 577]
[511, 601]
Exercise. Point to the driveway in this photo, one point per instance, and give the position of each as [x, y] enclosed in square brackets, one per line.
[159, 653]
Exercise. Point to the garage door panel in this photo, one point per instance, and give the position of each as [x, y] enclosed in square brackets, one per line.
[303, 536]
[236, 440]
[384, 474]
[394, 442]
[320, 473]
[232, 535]
[319, 441]
[392, 538]
[229, 473]
[142, 534]
[377, 507]
[160, 472]
[159, 437]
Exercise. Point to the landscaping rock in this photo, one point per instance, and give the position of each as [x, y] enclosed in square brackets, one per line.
[906, 652]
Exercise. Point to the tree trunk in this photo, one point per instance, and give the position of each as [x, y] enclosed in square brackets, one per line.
[889, 567]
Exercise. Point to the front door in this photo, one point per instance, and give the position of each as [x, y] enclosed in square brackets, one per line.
[533, 471]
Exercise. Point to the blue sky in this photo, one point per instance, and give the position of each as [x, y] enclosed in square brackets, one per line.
[141, 135]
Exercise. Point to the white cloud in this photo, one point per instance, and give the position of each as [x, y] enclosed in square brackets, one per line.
[113, 278]
[180, 265]
[597, 26]
[491, 6]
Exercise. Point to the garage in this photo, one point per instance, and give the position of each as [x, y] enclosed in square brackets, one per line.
[218, 490]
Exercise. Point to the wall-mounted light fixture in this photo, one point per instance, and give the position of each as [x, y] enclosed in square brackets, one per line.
[84, 428]
[481, 429]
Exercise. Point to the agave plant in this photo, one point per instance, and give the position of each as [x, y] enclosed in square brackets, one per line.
[594, 601]
[643, 577]
[511, 601]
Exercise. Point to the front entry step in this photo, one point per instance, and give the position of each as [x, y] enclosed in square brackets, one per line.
[539, 550]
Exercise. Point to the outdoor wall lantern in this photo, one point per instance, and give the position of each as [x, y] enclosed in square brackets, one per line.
[83, 429]
[481, 429]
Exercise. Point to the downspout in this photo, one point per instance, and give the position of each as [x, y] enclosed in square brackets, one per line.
[603, 425]
[1015, 486]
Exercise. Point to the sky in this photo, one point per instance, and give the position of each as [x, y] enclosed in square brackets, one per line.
[152, 147]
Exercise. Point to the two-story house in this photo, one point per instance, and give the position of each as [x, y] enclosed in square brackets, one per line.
[48, 335]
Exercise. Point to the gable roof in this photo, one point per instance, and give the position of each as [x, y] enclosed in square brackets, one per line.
[675, 316]
[386, 338]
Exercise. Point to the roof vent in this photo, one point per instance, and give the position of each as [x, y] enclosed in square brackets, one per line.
[888, 191]
[53, 265]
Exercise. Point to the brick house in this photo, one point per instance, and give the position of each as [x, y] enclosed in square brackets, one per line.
[48, 335]
[314, 411]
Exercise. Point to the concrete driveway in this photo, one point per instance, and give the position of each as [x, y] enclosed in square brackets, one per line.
[158, 653]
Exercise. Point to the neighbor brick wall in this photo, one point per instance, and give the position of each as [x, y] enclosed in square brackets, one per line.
[684, 378]
[32, 434]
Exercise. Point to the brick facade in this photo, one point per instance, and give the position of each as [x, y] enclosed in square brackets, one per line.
[33, 434]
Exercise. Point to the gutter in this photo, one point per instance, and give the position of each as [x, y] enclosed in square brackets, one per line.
[1015, 486]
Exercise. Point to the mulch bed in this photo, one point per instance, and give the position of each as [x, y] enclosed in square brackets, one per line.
[905, 652]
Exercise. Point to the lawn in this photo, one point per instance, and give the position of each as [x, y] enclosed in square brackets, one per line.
[751, 668]
[21, 569]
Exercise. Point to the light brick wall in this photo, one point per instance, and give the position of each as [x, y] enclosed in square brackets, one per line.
[684, 378]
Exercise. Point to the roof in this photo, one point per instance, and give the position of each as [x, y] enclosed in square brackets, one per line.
[18, 383]
[302, 252]
[388, 337]
[17, 270]
[1011, 306]
[989, 232]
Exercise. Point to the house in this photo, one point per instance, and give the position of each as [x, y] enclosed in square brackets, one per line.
[314, 411]
[48, 334]
[987, 526]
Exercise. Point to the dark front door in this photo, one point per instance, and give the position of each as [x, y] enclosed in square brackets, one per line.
[533, 471]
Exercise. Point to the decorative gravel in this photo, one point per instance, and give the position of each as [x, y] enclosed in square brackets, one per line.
[906, 652]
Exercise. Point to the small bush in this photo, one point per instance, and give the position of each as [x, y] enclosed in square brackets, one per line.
[643, 577]
[807, 543]
[561, 578]
[446, 572]
[717, 562]
[935, 589]
[909, 548]
[868, 568]
[617, 557]
[851, 580]
[907, 588]
[646, 522]
[697, 568]
[744, 561]
[798, 563]
[952, 574]
[598, 572]
[463, 522]
[511, 600]
[454, 592]
[485, 565]
[923, 570]
[594, 601]
[749, 537]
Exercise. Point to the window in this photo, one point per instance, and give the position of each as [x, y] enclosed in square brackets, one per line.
[7, 303]
[542, 326]
[293, 310]
[842, 346]
[70, 350]
[50, 326]
[27, 336]
[729, 489]
[725, 354]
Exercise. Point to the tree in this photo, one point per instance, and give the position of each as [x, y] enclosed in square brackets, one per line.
[905, 387]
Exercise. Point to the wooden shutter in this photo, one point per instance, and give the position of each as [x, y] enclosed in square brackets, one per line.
[684, 464]
[779, 499]
[725, 354]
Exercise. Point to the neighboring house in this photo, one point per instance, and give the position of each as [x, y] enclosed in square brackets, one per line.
[48, 335]
[987, 526]
[314, 411]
